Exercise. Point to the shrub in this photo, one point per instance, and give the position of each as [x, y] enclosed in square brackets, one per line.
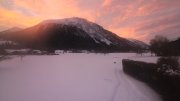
[168, 63]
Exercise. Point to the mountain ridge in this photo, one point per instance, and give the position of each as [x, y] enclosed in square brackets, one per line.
[73, 33]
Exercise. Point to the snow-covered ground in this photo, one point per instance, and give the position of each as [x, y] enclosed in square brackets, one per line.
[148, 59]
[70, 77]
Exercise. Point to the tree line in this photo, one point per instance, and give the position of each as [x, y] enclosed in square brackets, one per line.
[162, 46]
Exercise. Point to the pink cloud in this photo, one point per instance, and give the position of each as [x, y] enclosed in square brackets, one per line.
[106, 3]
[141, 19]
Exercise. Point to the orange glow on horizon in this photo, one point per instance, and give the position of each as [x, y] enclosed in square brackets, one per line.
[16, 19]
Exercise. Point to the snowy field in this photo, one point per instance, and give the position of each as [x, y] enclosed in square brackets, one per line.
[148, 59]
[70, 77]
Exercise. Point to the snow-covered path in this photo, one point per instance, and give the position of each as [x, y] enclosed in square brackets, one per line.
[70, 77]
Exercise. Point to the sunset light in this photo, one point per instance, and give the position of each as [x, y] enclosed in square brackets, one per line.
[89, 50]
[127, 18]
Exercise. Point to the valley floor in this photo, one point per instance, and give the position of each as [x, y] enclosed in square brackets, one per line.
[70, 77]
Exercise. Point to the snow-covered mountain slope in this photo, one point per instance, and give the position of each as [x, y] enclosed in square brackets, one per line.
[97, 32]
[140, 43]
[94, 30]
[74, 33]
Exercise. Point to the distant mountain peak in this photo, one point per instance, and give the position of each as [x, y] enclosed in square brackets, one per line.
[94, 30]
[13, 29]
[67, 19]
[16, 28]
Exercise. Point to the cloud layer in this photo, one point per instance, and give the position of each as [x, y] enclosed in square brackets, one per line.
[139, 19]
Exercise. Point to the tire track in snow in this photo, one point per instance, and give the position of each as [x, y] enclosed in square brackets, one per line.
[121, 78]
[127, 80]
[116, 72]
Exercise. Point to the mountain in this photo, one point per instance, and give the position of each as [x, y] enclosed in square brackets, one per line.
[139, 43]
[9, 32]
[75, 34]
[13, 29]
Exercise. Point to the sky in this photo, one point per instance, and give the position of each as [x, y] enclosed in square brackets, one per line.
[138, 19]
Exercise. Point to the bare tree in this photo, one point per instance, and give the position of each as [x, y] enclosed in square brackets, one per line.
[159, 46]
